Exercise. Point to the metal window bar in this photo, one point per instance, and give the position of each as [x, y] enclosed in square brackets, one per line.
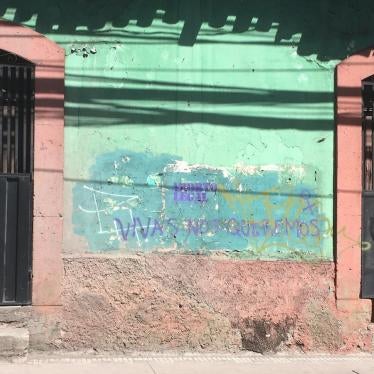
[17, 91]
[368, 134]
[17, 84]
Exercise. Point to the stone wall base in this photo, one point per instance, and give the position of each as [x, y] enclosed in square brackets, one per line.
[195, 303]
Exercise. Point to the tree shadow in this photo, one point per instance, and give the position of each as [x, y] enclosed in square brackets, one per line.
[327, 28]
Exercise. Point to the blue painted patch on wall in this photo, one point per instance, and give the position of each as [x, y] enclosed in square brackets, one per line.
[145, 202]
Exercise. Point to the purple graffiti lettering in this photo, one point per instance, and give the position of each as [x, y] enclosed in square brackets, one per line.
[266, 226]
[245, 224]
[214, 225]
[209, 187]
[254, 227]
[142, 231]
[118, 225]
[133, 227]
[233, 224]
[203, 196]
[278, 224]
[314, 225]
[173, 226]
[203, 223]
[301, 232]
[157, 227]
[289, 225]
[193, 191]
[193, 225]
[309, 206]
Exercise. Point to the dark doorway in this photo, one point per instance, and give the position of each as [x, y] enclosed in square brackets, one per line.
[17, 92]
[367, 276]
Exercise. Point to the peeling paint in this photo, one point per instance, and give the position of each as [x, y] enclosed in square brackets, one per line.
[269, 211]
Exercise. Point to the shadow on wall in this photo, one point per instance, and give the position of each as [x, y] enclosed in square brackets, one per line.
[329, 28]
[93, 100]
[139, 104]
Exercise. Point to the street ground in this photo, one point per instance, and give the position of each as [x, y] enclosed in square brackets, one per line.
[190, 363]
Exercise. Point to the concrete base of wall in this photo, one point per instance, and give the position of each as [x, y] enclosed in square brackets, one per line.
[192, 303]
[181, 302]
[14, 342]
[14, 335]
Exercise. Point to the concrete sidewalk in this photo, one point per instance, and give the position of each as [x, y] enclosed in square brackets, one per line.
[191, 363]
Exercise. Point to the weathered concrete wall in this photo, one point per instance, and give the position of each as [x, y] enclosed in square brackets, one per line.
[168, 205]
[203, 129]
[157, 99]
[204, 107]
[197, 303]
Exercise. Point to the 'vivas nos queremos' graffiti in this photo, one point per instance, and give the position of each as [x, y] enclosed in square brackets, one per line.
[140, 201]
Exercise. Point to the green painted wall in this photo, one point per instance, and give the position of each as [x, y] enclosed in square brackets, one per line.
[159, 102]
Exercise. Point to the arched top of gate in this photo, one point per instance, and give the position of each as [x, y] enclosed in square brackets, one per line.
[30, 45]
[9, 58]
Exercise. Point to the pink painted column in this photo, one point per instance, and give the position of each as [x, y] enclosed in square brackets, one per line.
[48, 58]
[48, 185]
[350, 74]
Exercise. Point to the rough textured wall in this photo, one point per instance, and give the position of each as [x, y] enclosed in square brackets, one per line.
[204, 127]
[160, 302]
[168, 302]
[146, 116]
[166, 204]
[224, 95]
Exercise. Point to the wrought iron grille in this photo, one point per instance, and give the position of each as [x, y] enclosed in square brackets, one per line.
[17, 82]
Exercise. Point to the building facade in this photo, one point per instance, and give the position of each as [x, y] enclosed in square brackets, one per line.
[198, 174]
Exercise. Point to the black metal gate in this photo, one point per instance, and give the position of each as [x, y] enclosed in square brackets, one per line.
[16, 151]
[367, 273]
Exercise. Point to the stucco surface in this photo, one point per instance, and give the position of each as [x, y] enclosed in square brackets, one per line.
[163, 81]
[216, 93]
[188, 302]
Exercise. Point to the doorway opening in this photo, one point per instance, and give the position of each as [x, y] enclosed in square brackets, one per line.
[17, 102]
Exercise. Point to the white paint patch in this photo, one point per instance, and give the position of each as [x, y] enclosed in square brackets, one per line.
[184, 167]
[165, 55]
[298, 170]
[180, 167]
[225, 173]
[150, 75]
[302, 78]
[250, 169]
[246, 169]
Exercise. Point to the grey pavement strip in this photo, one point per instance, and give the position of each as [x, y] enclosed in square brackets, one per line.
[188, 363]
[195, 357]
